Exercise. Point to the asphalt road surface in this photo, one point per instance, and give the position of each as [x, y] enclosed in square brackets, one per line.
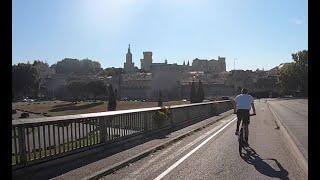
[212, 153]
[294, 114]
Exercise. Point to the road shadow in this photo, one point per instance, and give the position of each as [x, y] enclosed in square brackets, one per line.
[62, 105]
[75, 107]
[251, 157]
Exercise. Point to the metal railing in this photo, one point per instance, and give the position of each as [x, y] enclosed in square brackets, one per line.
[42, 139]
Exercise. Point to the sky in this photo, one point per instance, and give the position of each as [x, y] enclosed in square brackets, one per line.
[250, 34]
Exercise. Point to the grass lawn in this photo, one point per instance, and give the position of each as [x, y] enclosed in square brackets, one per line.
[60, 108]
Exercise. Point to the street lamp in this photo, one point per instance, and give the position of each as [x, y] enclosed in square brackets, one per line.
[234, 75]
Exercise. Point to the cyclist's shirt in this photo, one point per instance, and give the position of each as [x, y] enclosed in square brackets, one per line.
[243, 101]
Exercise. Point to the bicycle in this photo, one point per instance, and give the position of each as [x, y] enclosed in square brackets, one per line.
[241, 134]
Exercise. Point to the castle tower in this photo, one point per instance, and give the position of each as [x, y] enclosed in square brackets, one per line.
[146, 61]
[222, 62]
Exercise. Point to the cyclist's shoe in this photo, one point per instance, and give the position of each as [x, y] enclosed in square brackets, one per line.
[236, 133]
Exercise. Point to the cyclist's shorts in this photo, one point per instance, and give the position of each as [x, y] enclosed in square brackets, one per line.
[243, 114]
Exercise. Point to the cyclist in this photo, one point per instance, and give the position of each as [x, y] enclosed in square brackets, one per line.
[242, 105]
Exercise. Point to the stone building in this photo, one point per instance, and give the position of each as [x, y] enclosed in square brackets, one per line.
[209, 65]
[136, 86]
[165, 67]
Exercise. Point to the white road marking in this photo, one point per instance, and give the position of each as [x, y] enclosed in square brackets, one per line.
[162, 162]
[191, 152]
[146, 165]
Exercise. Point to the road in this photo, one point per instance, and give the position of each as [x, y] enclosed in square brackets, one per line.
[212, 153]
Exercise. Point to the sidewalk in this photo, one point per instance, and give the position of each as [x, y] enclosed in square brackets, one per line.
[102, 161]
[295, 131]
[296, 125]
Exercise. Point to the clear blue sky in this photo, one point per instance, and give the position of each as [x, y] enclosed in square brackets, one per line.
[257, 33]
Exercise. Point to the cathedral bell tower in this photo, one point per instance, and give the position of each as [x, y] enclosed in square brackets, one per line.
[129, 65]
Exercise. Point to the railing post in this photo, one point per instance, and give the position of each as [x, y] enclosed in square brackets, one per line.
[145, 119]
[22, 145]
[102, 128]
[188, 113]
[171, 117]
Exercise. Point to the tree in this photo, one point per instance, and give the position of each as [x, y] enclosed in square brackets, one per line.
[96, 88]
[25, 80]
[193, 93]
[87, 66]
[112, 103]
[160, 99]
[112, 71]
[76, 88]
[301, 60]
[200, 93]
[67, 66]
[78, 67]
[116, 94]
[44, 72]
[294, 77]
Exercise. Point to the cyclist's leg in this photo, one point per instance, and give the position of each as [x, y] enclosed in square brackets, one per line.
[239, 117]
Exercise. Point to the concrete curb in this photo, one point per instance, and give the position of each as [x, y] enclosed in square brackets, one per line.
[145, 153]
[290, 142]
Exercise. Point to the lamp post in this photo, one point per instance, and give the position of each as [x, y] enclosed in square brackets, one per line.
[234, 75]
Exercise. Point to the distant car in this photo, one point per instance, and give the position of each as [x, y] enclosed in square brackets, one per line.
[14, 111]
[24, 115]
[28, 100]
[184, 100]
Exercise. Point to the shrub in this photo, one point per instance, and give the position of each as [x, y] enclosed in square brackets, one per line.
[161, 116]
[215, 109]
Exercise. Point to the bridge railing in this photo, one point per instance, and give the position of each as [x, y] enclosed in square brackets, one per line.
[41, 139]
